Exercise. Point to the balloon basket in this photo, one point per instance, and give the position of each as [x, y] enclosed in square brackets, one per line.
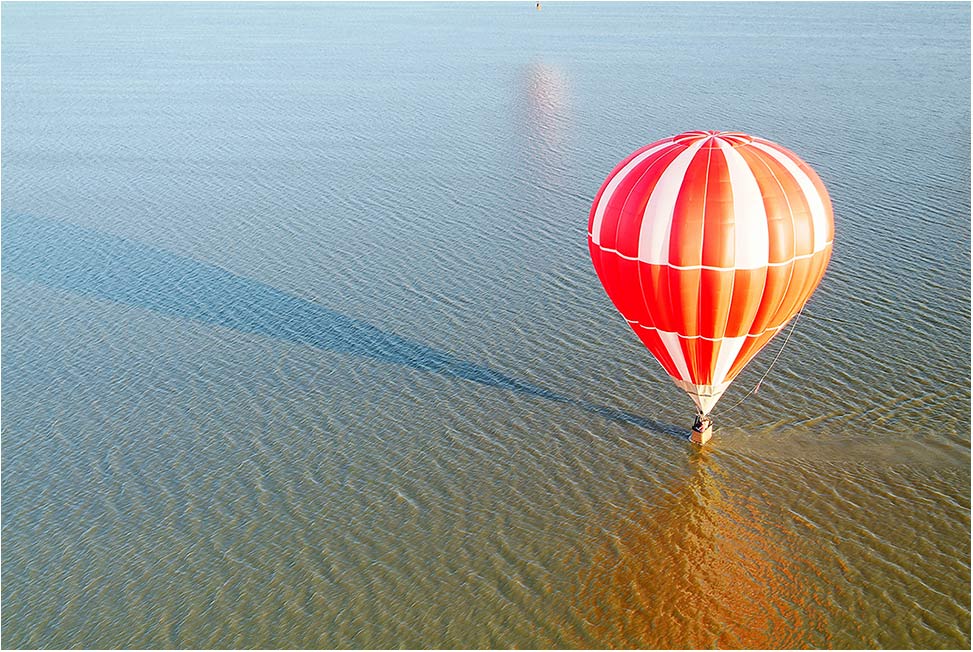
[701, 433]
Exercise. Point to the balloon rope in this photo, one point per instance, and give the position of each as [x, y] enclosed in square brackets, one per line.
[777, 357]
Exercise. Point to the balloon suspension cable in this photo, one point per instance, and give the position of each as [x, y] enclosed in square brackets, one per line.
[773, 362]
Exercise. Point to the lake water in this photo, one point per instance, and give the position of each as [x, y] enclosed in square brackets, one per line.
[302, 346]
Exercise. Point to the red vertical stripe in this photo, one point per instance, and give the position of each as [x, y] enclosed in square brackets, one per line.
[686, 232]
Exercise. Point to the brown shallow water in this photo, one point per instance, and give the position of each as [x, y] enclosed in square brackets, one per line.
[301, 345]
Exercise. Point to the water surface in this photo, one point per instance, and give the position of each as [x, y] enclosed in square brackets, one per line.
[302, 346]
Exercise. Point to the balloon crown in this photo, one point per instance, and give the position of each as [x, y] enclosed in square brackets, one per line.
[714, 138]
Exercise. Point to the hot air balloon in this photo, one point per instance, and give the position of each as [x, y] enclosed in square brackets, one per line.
[708, 243]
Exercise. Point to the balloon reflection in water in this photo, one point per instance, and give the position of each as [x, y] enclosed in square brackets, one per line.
[703, 568]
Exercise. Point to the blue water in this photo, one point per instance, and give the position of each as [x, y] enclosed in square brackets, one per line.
[301, 346]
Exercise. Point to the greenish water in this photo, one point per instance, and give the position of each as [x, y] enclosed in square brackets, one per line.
[301, 345]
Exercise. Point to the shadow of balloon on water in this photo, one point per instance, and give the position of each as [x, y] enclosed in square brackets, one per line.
[89, 263]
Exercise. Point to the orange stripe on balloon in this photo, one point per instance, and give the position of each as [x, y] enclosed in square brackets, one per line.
[748, 291]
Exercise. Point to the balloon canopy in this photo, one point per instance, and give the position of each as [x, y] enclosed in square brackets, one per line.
[708, 243]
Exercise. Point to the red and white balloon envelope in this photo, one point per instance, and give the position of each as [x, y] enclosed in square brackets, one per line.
[708, 243]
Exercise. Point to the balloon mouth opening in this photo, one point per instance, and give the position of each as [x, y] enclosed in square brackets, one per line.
[714, 138]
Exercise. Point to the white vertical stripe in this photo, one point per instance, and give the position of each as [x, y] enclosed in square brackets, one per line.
[729, 350]
[671, 342]
[657, 218]
[751, 240]
[613, 184]
[704, 396]
[707, 403]
[819, 219]
[698, 402]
